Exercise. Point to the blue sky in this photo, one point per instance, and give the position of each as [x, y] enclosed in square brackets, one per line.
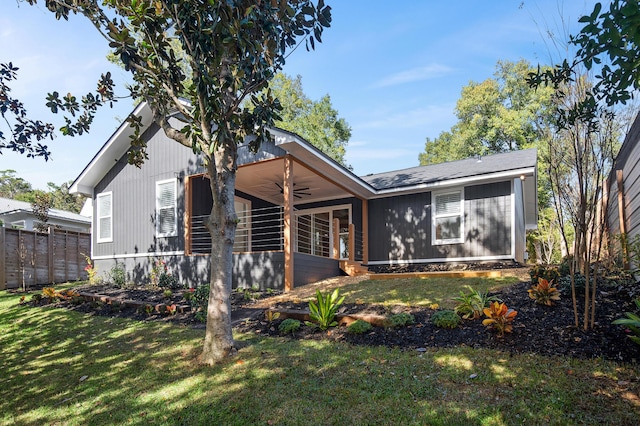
[394, 73]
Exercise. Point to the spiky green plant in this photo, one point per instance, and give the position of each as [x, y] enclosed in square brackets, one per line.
[323, 310]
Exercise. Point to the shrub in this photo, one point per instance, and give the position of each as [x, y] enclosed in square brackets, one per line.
[547, 272]
[359, 327]
[543, 293]
[323, 310]
[564, 268]
[632, 323]
[289, 325]
[92, 272]
[399, 320]
[445, 319]
[564, 283]
[161, 277]
[172, 309]
[118, 275]
[200, 298]
[167, 294]
[499, 318]
[36, 299]
[470, 305]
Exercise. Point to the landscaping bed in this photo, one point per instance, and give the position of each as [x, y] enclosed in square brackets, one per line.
[537, 329]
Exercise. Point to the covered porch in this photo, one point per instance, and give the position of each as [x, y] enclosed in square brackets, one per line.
[296, 225]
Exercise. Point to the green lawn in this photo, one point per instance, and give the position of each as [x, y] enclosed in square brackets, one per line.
[62, 367]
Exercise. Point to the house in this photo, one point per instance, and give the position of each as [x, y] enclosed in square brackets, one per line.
[471, 210]
[623, 197]
[19, 214]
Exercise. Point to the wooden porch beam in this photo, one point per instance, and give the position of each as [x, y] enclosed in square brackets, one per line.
[287, 190]
[187, 215]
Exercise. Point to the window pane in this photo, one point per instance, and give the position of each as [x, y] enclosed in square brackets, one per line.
[448, 203]
[105, 228]
[448, 228]
[166, 211]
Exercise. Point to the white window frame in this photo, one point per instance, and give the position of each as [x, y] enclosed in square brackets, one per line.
[326, 209]
[247, 220]
[436, 216]
[173, 232]
[99, 197]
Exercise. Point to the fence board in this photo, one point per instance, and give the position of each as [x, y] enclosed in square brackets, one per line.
[40, 258]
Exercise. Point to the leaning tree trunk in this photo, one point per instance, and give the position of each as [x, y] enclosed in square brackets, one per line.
[218, 342]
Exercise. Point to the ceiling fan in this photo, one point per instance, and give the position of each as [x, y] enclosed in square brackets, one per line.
[297, 192]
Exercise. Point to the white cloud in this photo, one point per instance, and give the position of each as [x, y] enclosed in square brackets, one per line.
[414, 74]
[419, 117]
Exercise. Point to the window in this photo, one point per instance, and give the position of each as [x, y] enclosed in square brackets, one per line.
[243, 231]
[448, 218]
[166, 209]
[105, 217]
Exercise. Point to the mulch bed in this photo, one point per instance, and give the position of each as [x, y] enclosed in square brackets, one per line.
[537, 329]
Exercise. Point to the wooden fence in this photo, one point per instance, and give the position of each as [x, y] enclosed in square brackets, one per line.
[33, 258]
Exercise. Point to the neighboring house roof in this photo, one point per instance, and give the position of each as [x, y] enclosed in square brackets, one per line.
[13, 209]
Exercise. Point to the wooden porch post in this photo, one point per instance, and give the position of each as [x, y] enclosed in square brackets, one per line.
[3, 276]
[287, 190]
[336, 238]
[352, 241]
[365, 231]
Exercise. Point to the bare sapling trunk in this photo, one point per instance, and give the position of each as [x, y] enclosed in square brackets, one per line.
[222, 224]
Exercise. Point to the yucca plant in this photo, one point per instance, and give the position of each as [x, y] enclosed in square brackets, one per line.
[470, 305]
[323, 310]
[499, 318]
[631, 322]
[543, 293]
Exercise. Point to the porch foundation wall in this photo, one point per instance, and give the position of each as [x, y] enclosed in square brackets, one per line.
[261, 270]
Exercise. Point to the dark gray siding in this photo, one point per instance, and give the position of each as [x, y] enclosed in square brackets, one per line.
[134, 197]
[309, 268]
[250, 270]
[628, 161]
[400, 227]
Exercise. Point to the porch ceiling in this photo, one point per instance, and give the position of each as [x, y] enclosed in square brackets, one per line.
[265, 179]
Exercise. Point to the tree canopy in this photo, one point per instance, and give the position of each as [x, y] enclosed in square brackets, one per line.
[233, 49]
[496, 115]
[316, 121]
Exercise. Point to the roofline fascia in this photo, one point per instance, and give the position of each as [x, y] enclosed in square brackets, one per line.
[76, 187]
[526, 171]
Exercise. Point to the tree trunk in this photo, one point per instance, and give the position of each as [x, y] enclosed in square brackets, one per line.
[218, 342]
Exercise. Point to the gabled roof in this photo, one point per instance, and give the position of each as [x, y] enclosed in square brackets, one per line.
[12, 207]
[514, 163]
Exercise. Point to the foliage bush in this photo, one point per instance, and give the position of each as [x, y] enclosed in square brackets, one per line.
[499, 318]
[323, 310]
[547, 272]
[399, 320]
[564, 283]
[160, 276]
[564, 269]
[200, 297]
[359, 327]
[118, 275]
[289, 325]
[632, 323]
[543, 293]
[445, 319]
[470, 305]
